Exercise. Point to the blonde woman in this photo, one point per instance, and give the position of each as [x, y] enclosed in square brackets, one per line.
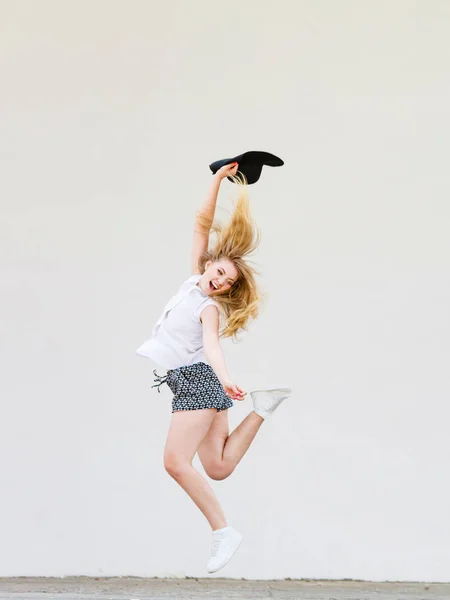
[219, 299]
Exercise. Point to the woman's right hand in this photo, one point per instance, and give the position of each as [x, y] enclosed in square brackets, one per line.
[227, 170]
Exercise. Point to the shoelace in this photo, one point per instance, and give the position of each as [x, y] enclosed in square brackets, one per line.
[215, 546]
[159, 380]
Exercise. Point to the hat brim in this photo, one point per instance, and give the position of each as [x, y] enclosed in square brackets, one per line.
[250, 164]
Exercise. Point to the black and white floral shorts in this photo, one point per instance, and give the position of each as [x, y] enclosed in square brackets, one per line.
[195, 387]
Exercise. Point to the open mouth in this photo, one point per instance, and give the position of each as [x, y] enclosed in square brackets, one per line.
[212, 287]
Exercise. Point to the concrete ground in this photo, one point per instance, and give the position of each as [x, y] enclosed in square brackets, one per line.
[133, 588]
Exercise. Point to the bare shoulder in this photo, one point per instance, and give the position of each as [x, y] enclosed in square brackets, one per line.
[209, 316]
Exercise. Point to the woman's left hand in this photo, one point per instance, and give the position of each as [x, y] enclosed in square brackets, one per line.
[233, 391]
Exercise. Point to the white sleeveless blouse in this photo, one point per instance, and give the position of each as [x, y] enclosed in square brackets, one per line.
[177, 337]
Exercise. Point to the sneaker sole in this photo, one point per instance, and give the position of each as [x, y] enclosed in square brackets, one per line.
[228, 559]
[282, 390]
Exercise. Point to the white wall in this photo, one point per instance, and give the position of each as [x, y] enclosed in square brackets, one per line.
[110, 113]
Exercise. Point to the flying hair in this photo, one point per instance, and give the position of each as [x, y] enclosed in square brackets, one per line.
[236, 241]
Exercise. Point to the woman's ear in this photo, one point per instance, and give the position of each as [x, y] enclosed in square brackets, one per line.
[207, 264]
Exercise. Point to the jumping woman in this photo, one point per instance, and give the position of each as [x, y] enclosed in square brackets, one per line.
[218, 300]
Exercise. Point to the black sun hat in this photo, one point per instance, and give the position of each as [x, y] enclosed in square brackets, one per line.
[250, 164]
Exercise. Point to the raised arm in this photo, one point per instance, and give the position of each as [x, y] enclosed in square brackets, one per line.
[205, 216]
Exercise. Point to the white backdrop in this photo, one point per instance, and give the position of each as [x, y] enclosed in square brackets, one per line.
[111, 112]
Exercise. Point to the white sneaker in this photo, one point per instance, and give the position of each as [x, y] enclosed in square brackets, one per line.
[225, 543]
[266, 401]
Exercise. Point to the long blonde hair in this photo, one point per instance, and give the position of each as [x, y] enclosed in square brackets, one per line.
[239, 238]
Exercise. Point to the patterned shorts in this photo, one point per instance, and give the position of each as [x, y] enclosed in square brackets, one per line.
[195, 387]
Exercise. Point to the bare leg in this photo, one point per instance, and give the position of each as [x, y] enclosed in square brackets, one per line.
[220, 451]
[186, 432]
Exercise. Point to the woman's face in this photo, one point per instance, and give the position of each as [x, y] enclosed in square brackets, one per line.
[218, 277]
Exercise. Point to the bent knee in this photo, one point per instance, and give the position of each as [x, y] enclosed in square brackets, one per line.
[175, 465]
[219, 472]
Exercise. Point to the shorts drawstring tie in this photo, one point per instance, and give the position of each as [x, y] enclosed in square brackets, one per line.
[159, 380]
